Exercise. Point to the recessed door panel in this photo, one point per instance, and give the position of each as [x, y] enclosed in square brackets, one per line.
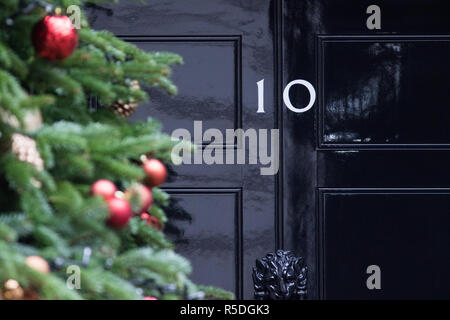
[213, 97]
[384, 90]
[207, 229]
[404, 233]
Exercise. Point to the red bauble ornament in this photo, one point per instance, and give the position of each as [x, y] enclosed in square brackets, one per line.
[151, 221]
[156, 172]
[120, 212]
[145, 216]
[150, 298]
[54, 37]
[104, 188]
[144, 194]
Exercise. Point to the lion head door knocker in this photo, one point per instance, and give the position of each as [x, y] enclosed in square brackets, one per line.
[280, 276]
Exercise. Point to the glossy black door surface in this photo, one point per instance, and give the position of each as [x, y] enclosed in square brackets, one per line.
[404, 232]
[365, 174]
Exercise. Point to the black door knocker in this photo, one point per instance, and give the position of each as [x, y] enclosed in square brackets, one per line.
[280, 276]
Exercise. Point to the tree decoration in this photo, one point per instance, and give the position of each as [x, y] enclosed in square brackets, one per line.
[151, 220]
[30, 294]
[26, 150]
[104, 188]
[54, 37]
[127, 109]
[156, 172]
[12, 290]
[32, 120]
[143, 193]
[37, 263]
[120, 212]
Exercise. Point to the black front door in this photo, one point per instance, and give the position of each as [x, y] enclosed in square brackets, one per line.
[363, 188]
[367, 173]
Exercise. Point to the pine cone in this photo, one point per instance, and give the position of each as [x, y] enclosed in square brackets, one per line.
[127, 109]
[124, 109]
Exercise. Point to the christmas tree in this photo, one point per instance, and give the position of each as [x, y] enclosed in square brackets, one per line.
[81, 214]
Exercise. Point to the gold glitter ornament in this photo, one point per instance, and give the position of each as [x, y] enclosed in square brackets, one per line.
[26, 150]
[12, 290]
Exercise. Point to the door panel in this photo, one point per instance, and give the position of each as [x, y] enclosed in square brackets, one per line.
[215, 95]
[404, 232]
[402, 168]
[214, 245]
[384, 90]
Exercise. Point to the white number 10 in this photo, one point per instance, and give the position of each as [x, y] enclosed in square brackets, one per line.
[286, 98]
